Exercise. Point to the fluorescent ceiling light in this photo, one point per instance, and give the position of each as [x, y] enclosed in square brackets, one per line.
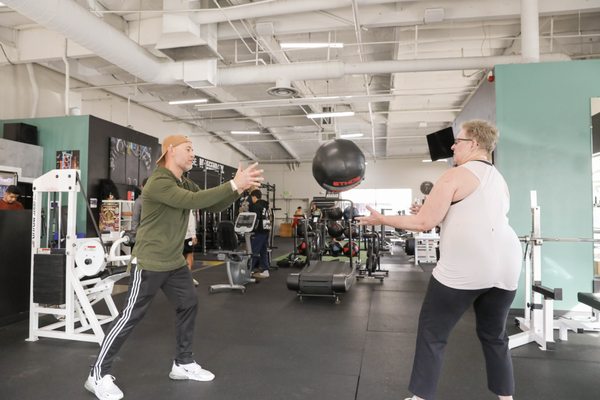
[191, 101]
[245, 132]
[330, 114]
[440, 160]
[313, 45]
[351, 135]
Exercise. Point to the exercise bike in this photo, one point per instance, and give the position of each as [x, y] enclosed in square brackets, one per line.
[372, 267]
[238, 262]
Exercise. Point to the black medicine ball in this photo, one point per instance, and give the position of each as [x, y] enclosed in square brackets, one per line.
[338, 165]
[351, 229]
[335, 229]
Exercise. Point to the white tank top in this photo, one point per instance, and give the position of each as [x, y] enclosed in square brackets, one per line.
[478, 248]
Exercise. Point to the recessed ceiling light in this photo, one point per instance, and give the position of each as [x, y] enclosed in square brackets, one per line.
[351, 135]
[190, 101]
[245, 132]
[314, 45]
[330, 114]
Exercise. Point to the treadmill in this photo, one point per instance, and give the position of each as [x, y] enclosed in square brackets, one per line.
[325, 278]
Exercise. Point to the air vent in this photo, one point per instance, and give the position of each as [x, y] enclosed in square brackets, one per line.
[282, 88]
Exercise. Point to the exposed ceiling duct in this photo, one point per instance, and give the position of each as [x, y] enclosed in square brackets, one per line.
[269, 8]
[79, 25]
[337, 69]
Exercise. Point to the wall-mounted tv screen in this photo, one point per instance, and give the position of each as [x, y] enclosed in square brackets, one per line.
[440, 144]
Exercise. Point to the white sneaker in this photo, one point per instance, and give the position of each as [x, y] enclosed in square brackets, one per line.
[262, 275]
[190, 371]
[195, 282]
[104, 388]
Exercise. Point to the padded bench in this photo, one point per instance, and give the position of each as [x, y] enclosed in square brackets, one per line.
[589, 299]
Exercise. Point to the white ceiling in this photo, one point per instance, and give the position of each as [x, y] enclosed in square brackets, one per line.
[394, 110]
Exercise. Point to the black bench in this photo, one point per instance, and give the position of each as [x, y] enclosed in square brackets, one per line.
[589, 299]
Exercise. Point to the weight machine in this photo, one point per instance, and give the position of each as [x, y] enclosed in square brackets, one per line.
[67, 282]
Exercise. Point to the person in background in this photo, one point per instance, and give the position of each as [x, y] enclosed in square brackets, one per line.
[137, 209]
[158, 264]
[298, 215]
[315, 212]
[260, 239]
[190, 241]
[479, 265]
[9, 200]
[245, 201]
[136, 214]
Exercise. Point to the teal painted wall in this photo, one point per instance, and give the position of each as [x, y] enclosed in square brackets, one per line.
[544, 117]
[63, 133]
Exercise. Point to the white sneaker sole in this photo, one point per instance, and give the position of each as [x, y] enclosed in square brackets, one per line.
[185, 377]
[90, 388]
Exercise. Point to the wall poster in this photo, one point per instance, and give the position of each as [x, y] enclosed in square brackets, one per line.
[67, 159]
[129, 162]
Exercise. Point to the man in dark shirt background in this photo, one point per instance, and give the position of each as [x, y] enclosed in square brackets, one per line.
[260, 239]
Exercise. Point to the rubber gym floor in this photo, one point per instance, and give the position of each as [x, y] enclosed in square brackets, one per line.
[266, 344]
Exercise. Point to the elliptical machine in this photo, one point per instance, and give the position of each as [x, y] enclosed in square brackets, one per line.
[238, 262]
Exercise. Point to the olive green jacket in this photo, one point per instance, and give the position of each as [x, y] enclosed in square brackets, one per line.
[166, 205]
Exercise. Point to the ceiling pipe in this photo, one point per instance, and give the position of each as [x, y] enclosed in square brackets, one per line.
[67, 78]
[296, 101]
[365, 77]
[270, 8]
[34, 89]
[530, 31]
[78, 24]
[337, 69]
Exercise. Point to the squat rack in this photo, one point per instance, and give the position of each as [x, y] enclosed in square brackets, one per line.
[538, 323]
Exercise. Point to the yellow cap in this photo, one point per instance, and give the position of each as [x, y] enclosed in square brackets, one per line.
[171, 141]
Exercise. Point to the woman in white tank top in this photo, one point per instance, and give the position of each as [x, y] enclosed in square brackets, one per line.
[480, 261]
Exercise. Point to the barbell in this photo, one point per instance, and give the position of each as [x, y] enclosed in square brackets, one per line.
[557, 239]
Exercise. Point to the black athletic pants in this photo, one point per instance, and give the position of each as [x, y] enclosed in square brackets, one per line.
[441, 310]
[143, 286]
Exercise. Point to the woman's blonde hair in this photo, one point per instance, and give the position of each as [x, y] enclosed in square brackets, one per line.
[483, 132]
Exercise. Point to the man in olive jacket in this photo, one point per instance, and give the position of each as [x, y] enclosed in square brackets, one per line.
[158, 261]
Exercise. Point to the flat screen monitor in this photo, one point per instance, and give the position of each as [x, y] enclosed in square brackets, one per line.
[440, 144]
[245, 221]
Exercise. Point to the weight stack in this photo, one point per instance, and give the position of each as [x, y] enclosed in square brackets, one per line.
[49, 278]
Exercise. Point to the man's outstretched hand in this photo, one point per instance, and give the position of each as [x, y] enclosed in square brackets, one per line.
[246, 178]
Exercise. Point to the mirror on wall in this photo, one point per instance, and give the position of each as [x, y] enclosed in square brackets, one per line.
[595, 108]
